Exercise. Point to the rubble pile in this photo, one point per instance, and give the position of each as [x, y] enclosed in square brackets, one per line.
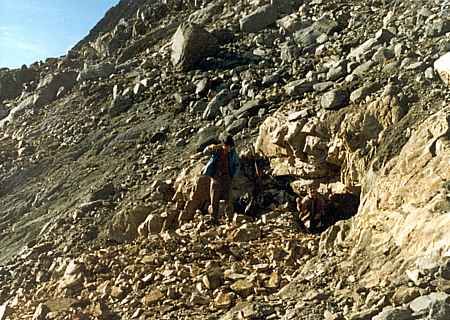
[100, 152]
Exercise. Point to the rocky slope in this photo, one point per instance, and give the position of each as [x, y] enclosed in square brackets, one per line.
[348, 95]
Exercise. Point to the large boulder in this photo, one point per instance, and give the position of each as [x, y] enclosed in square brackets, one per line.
[93, 72]
[442, 67]
[190, 44]
[220, 100]
[259, 19]
[124, 225]
[47, 90]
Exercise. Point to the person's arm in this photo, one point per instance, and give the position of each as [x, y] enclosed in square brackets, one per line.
[212, 148]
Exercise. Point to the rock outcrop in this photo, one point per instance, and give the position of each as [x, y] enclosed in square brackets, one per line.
[103, 208]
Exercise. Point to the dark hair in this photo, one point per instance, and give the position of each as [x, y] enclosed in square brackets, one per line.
[228, 140]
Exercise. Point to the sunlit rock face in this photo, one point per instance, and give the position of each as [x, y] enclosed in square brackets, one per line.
[406, 205]
[405, 201]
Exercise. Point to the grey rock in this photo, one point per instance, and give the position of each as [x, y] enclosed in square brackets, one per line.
[197, 106]
[124, 225]
[419, 65]
[48, 87]
[429, 73]
[237, 126]
[363, 49]
[337, 71]
[120, 105]
[394, 314]
[384, 36]
[93, 72]
[203, 16]
[307, 37]
[12, 81]
[298, 88]
[383, 54]
[437, 27]
[444, 270]
[334, 99]
[289, 53]
[191, 44]
[253, 122]
[363, 315]
[326, 26]
[259, 19]
[323, 86]
[41, 312]
[250, 108]
[363, 68]
[221, 99]
[439, 310]
[423, 304]
[205, 137]
[292, 23]
[286, 6]
[5, 311]
[360, 93]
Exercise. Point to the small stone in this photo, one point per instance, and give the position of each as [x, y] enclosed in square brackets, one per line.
[243, 287]
[153, 297]
[213, 279]
[334, 99]
[223, 300]
[323, 86]
[274, 281]
[245, 233]
[298, 88]
[361, 93]
[404, 295]
[197, 299]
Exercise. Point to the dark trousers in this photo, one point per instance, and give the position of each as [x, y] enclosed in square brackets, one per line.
[220, 189]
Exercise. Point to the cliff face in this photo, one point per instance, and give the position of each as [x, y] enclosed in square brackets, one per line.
[100, 153]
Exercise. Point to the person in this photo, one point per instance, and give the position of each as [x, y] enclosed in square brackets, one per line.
[221, 168]
[312, 210]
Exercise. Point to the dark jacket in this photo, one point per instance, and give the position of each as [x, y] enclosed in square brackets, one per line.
[211, 167]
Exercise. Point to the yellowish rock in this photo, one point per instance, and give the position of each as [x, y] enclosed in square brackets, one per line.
[223, 300]
[153, 297]
[242, 287]
[274, 281]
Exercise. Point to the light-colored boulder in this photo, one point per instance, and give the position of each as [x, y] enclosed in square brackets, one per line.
[96, 71]
[190, 44]
[442, 67]
[48, 87]
[124, 225]
[153, 224]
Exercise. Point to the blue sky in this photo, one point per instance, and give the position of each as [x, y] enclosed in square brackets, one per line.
[32, 30]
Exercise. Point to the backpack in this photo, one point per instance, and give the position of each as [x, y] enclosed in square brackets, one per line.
[210, 168]
[233, 164]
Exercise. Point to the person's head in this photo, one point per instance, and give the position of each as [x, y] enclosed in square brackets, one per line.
[228, 141]
[312, 191]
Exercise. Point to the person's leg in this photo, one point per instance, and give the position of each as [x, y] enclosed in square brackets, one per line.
[215, 199]
[226, 196]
